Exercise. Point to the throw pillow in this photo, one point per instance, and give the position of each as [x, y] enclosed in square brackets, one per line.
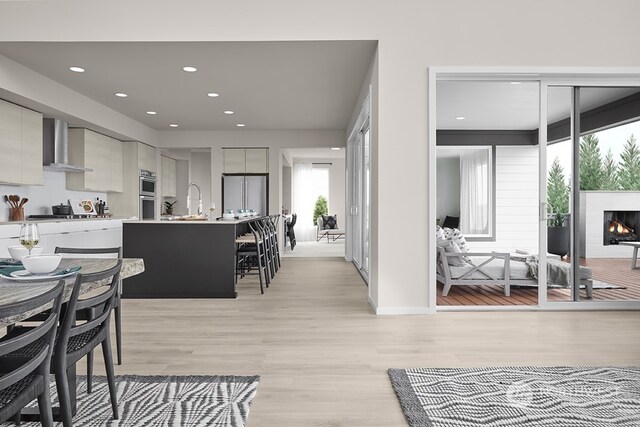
[460, 240]
[450, 246]
[330, 222]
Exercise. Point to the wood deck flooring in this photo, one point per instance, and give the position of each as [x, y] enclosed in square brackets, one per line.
[614, 271]
[323, 355]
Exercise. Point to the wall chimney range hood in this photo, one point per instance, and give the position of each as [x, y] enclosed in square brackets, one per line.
[55, 153]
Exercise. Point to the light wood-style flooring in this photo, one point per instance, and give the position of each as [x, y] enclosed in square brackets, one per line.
[323, 355]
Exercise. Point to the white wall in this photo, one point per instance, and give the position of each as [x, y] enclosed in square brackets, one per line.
[42, 197]
[200, 174]
[448, 188]
[337, 199]
[516, 200]
[413, 35]
[182, 181]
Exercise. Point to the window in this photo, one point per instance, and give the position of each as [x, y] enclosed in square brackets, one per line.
[465, 189]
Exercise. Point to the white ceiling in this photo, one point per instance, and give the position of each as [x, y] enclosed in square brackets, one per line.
[269, 85]
[490, 105]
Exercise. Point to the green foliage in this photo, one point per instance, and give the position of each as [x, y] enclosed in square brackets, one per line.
[320, 209]
[610, 181]
[557, 194]
[591, 173]
[629, 167]
[168, 207]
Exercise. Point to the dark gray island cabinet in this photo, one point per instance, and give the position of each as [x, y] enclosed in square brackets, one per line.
[183, 259]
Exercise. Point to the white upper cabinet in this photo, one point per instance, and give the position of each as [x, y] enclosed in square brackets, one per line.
[168, 176]
[98, 152]
[246, 160]
[20, 145]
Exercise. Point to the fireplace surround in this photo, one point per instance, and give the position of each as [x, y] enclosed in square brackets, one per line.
[621, 226]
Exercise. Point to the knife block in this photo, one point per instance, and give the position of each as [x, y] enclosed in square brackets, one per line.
[16, 214]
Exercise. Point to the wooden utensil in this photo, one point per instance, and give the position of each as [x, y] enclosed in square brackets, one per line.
[23, 202]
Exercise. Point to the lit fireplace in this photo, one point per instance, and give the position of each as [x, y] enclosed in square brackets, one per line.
[619, 229]
[619, 226]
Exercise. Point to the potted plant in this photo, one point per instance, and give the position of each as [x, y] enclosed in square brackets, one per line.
[320, 209]
[168, 207]
[558, 232]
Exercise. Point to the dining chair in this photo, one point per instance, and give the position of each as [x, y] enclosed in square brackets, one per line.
[117, 251]
[290, 233]
[74, 340]
[22, 382]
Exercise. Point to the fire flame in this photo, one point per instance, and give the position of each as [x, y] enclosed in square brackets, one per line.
[618, 228]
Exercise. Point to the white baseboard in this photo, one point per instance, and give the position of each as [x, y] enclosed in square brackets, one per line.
[384, 311]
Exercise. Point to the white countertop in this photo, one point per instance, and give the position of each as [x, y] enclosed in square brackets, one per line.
[61, 220]
[209, 222]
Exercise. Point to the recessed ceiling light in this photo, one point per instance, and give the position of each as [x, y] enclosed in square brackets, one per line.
[77, 69]
[240, 125]
[460, 118]
[213, 95]
[516, 83]
[151, 113]
[228, 112]
[173, 125]
[336, 148]
[190, 69]
[121, 94]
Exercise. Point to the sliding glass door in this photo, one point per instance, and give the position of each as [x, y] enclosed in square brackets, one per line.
[359, 182]
[593, 193]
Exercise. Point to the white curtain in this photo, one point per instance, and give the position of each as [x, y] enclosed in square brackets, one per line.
[303, 201]
[474, 192]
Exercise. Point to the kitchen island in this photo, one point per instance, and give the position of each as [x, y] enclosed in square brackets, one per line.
[183, 259]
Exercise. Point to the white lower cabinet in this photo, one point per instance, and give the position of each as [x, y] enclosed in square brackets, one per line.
[76, 234]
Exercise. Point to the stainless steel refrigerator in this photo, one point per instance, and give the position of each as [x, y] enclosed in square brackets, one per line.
[245, 192]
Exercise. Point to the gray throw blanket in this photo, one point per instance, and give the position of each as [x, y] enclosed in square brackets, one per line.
[558, 272]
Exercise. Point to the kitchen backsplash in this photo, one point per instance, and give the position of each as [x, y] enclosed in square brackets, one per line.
[42, 197]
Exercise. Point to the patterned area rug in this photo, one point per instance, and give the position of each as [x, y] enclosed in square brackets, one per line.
[165, 401]
[519, 396]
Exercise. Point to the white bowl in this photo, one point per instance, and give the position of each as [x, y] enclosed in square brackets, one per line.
[41, 264]
[19, 252]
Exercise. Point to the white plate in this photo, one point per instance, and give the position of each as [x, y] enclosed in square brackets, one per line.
[24, 275]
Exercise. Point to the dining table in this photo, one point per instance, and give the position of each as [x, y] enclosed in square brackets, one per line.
[13, 291]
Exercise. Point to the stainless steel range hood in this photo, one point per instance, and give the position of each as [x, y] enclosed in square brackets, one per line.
[55, 153]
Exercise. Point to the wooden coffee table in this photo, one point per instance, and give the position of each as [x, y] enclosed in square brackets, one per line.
[634, 258]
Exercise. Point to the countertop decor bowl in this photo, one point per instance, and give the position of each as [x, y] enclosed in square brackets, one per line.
[41, 264]
[18, 252]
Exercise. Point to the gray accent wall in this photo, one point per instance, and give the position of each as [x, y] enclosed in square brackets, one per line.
[448, 187]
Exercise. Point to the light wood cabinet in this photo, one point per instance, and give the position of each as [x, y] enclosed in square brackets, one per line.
[20, 145]
[147, 157]
[168, 176]
[135, 156]
[98, 152]
[31, 147]
[246, 160]
[116, 166]
[257, 160]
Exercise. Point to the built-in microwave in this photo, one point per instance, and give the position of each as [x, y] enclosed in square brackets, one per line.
[147, 183]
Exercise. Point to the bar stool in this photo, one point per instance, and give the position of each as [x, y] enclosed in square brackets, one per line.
[250, 247]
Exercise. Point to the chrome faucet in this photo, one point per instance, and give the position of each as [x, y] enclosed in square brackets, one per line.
[189, 198]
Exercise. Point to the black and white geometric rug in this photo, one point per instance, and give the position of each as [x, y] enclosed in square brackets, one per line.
[192, 401]
[519, 396]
